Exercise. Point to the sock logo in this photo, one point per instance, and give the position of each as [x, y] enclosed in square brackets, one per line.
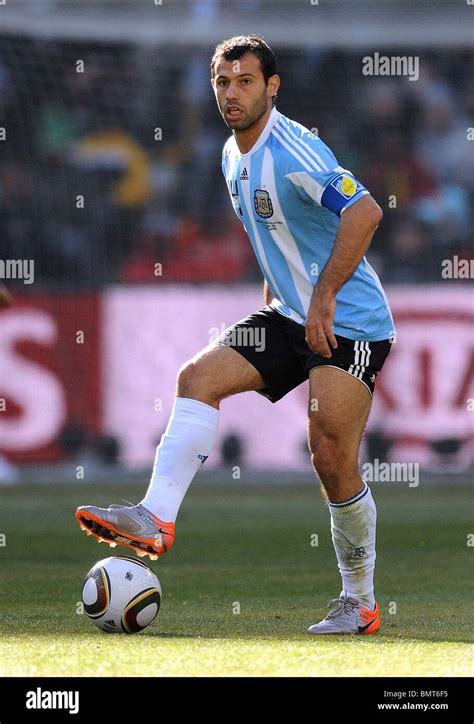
[359, 552]
[203, 458]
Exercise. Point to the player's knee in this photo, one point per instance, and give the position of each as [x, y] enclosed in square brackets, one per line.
[328, 459]
[191, 383]
[188, 379]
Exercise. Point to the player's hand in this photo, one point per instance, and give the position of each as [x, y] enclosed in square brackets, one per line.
[5, 298]
[319, 323]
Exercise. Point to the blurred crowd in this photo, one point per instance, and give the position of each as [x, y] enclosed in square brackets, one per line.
[111, 165]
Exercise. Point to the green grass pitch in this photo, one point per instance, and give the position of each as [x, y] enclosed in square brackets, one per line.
[244, 545]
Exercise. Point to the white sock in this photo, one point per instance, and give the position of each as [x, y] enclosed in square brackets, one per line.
[353, 524]
[184, 446]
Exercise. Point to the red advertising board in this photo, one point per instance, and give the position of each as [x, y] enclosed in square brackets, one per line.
[49, 372]
[109, 363]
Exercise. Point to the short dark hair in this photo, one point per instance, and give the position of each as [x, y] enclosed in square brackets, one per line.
[234, 48]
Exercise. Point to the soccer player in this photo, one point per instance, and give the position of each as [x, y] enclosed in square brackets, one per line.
[326, 318]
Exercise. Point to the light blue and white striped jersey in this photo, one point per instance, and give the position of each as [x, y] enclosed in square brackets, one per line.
[289, 192]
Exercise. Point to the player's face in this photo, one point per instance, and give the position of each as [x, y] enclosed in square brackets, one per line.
[241, 92]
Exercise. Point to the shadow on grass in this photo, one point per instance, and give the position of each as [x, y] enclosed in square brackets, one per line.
[249, 634]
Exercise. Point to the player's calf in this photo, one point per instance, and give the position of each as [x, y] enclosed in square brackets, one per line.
[335, 467]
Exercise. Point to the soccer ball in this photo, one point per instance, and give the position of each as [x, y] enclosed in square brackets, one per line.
[121, 595]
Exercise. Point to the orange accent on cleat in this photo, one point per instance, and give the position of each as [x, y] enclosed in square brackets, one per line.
[370, 620]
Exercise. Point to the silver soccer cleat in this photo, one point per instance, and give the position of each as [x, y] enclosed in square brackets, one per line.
[346, 616]
[132, 526]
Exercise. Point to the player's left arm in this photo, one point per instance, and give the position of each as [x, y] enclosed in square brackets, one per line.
[355, 231]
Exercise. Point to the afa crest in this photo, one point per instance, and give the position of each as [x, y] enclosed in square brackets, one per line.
[263, 203]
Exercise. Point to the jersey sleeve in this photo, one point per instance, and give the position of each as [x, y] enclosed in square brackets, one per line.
[319, 179]
[225, 156]
[223, 162]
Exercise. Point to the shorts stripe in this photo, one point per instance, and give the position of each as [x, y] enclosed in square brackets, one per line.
[362, 354]
[368, 353]
[363, 365]
[356, 356]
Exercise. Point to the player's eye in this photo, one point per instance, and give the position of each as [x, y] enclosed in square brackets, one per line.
[246, 80]
[220, 83]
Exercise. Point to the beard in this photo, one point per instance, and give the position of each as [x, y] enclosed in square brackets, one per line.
[258, 109]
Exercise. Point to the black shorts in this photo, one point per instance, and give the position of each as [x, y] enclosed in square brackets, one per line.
[276, 346]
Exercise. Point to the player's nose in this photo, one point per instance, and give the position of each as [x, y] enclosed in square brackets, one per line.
[231, 93]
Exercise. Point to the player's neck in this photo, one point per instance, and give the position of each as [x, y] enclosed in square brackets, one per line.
[247, 139]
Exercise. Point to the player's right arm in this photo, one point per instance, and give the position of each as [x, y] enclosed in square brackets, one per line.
[267, 294]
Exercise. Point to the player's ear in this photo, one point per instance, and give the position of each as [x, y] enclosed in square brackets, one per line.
[273, 85]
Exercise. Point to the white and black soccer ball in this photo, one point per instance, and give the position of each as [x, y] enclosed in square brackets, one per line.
[121, 595]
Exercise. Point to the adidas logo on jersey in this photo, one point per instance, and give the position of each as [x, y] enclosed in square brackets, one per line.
[244, 175]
